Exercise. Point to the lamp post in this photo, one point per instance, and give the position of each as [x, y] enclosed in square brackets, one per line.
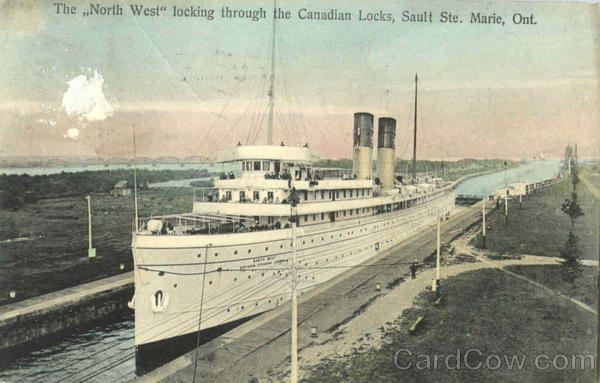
[483, 222]
[436, 285]
[91, 250]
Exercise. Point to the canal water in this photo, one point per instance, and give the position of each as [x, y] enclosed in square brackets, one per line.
[531, 172]
[105, 353]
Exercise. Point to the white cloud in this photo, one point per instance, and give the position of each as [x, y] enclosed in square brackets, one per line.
[85, 98]
[72, 133]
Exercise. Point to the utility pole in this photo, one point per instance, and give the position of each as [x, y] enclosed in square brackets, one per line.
[414, 159]
[506, 208]
[483, 222]
[91, 250]
[294, 282]
[437, 260]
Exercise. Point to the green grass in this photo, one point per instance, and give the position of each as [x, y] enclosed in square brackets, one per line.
[583, 289]
[487, 310]
[540, 227]
[57, 257]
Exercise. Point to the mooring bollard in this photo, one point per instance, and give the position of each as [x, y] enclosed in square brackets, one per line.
[12, 294]
[314, 332]
[378, 286]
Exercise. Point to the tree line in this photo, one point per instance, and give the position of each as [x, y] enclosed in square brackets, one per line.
[16, 190]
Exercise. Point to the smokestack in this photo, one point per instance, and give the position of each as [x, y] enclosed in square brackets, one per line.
[363, 146]
[386, 154]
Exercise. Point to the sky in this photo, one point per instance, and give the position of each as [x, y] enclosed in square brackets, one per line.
[75, 85]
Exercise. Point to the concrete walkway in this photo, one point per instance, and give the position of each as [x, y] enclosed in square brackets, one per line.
[64, 297]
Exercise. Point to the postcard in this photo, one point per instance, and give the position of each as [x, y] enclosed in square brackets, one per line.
[287, 190]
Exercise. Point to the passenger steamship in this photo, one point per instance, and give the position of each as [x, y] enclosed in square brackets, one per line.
[230, 258]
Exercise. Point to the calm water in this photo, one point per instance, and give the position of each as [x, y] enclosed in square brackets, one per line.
[489, 183]
[105, 353]
[102, 354]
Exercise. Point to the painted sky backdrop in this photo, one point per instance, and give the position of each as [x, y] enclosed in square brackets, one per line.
[74, 85]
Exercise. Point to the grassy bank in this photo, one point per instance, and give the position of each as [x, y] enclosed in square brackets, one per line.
[488, 311]
[43, 246]
[540, 227]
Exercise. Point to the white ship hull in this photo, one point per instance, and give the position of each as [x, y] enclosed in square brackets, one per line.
[245, 274]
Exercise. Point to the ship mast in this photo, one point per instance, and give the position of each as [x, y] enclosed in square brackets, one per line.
[414, 159]
[272, 79]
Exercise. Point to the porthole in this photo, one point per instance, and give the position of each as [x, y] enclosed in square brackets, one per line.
[269, 301]
[242, 307]
[228, 309]
[322, 238]
[248, 276]
[161, 273]
[267, 248]
[199, 255]
[312, 241]
[256, 304]
[235, 279]
[249, 251]
[303, 242]
[235, 252]
[281, 246]
[263, 274]
[175, 285]
[210, 282]
[216, 254]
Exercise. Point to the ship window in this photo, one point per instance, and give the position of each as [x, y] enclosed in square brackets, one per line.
[216, 254]
[350, 211]
[210, 282]
[256, 165]
[314, 217]
[306, 218]
[337, 194]
[235, 252]
[344, 213]
[363, 192]
[344, 193]
[322, 195]
[242, 195]
[248, 165]
[161, 273]
[322, 215]
[267, 248]
[266, 165]
[228, 195]
[249, 251]
[255, 196]
[356, 211]
[243, 165]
